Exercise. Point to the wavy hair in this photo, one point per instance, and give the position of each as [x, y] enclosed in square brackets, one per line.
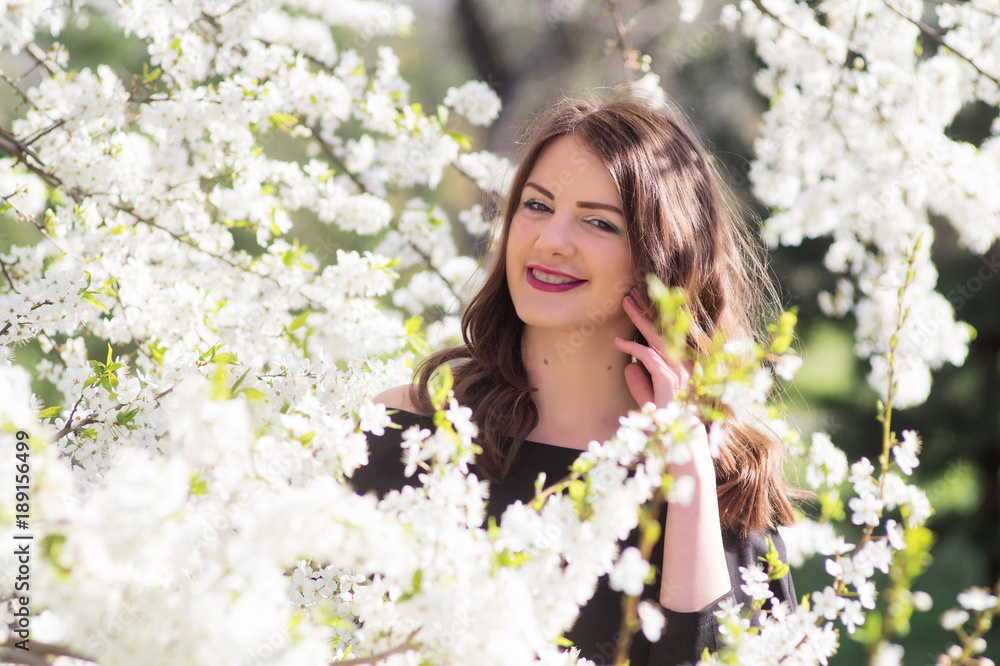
[680, 228]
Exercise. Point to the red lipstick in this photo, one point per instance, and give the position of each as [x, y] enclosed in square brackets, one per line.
[545, 286]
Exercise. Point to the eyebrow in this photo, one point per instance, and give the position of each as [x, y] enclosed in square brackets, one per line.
[581, 204]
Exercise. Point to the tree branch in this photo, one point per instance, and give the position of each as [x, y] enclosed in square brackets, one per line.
[331, 155]
[405, 646]
[621, 32]
[936, 37]
[17, 91]
[20, 150]
[7, 275]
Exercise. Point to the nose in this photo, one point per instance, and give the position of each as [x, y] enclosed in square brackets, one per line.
[556, 236]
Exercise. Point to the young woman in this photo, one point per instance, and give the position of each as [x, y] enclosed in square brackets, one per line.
[559, 345]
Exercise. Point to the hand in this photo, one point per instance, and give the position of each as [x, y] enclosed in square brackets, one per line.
[666, 375]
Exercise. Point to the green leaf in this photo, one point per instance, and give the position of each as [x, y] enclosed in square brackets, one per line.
[90, 298]
[156, 351]
[832, 506]
[418, 577]
[505, 558]
[283, 121]
[49, 412]
[199, 486]
[440, 386]
[225, 358]
[300, 321]
[251, 393]
[125, 417]
[150, 76]
[52, 546]
[461, 139]
[415, 337]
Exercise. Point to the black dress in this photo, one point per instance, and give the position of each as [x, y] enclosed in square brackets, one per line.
[685, 634]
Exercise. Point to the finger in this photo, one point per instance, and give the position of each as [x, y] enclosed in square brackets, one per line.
[639, 385]
[666, 379]
[638, 316]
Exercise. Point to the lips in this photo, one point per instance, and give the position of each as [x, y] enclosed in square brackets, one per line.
[544, 279]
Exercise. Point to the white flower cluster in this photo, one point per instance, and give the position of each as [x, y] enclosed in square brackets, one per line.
[855, 147]
[476, 101]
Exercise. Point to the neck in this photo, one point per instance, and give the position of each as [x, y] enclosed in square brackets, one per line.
[580, 381]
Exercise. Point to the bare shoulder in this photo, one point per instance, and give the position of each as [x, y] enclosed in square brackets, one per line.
[398, 397]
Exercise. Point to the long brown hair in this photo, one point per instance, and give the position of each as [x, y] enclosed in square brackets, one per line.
[679, 228]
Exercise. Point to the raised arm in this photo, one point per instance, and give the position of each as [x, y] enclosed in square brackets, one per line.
[694, 573]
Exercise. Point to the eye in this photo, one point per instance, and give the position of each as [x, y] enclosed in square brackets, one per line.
[537, 205]
[603, 225]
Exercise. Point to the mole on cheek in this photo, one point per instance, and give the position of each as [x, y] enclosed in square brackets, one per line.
[609, 367]
[545, 361]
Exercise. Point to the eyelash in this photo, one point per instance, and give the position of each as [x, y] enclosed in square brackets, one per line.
[602, 224]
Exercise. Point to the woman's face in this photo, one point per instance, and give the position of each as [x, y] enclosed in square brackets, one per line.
[568, 263]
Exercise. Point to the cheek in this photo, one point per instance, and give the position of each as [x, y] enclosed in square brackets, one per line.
[626, 273]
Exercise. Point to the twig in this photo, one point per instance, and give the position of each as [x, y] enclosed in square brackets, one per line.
[405, 646]
[927, 30]
[42, 59]
[331, 155]
[630, 603]
[7, 275]
[17, 91]
[966, 5]
[14, 146]
[886, 416]
[42, 132]
[130, 210]
[620, 33]
[70, 429]
[22, 216]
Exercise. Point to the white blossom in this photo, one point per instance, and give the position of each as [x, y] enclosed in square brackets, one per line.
[629, 574]
[954, 618]
[787, 366]
[651, 620]
[476, 101]
[755, 582]
[906, 452]
[866, 509]
[977, 599]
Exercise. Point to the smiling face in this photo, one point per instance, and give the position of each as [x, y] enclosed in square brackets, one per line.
[567, 260]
